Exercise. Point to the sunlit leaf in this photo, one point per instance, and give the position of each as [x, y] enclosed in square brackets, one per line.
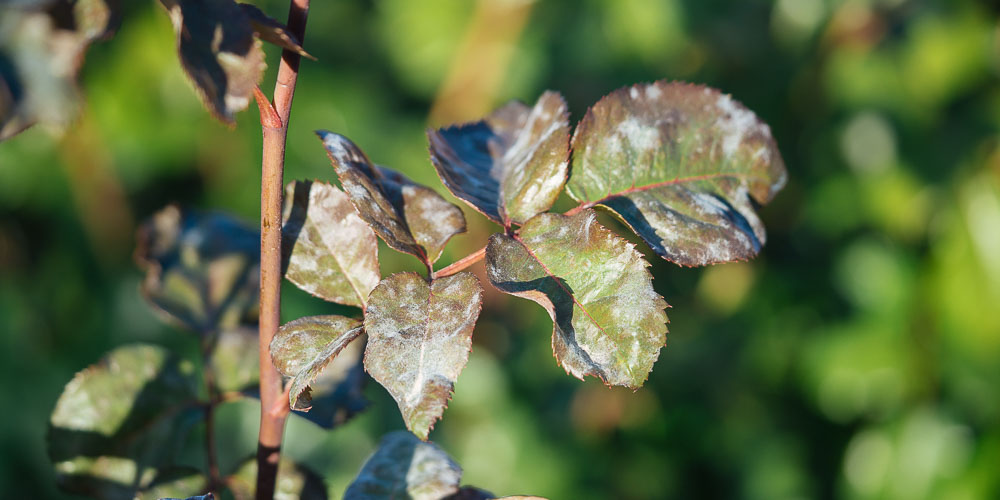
[270, 30]
[119, 420]
[683, 165]
[202, 269]
[419, 337]
[338, 392]
[511, 165]
[303, 348]
[234, 360]
[608, 321]
[294, 481]
[331, 252]
[409, 217]
[219, 53]
[405, 467]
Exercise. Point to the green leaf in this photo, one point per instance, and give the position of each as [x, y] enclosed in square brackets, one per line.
[338, 392]
[511, 165]
[219, 53]
[608, 321]
[409, 217]
[177, 482]
[294, 481]
[233, 360]
[270, 30]
[419, 338]
[119, 420]
[303, 348]
[405, 467]
[331, 253]
[683, 165]
[202, 269]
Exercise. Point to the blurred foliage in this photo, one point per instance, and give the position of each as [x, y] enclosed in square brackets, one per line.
[856, 357]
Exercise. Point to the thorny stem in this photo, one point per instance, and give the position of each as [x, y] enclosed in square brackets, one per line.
[462, 263]
[274, 125]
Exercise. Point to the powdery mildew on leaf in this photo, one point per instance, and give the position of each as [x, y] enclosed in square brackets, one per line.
[409, 217]
[511, 165]
[272, 31]
[608, 321]
[303, 348]
[219, 52]
[330, 252]
[337, 394]
[683, 166]
[419, 338]
[405, 467]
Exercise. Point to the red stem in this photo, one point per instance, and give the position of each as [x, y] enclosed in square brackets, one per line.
[462, 263]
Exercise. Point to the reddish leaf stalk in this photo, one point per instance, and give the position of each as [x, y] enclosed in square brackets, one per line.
[274, 402]
[462, 263]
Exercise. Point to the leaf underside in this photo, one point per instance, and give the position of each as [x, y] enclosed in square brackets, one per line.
[419, 338]
[511, 165]
[337, 394]
[608, 321]
[405, 467]
[303, 348]
[409, 217]
[683, 165]
[202, 269]
[219, 52]
[329, 251]
[270, 30]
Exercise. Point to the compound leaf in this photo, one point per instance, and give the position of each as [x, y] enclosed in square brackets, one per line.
[272, 31]
[419, 338]
[303, 348]
[330, 252]
[405, 467]
[409, 217]
[294, 481]
[202, 269]
[511, 165]
[608, 321]
[219, 53]
[683, 165]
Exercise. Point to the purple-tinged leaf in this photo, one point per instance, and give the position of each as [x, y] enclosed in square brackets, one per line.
[303, 348]
[608, 321]
[409, 217]
[272, 31]
[338, 392]
[405, 467]
[202, 269]
[419, 338]
[330, 252]
[511, 165]
[294, 481]
[683, 165]
[219, 52]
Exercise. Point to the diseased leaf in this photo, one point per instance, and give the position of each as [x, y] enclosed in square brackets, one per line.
[419, 337]
[234, 360]
[409, 217]
[303, 348]
[511, 165]
[683, 165]
[608, 321]
[294, 481]
[120, 420]
[330, 252]
[338, 392]
[405, 467]
[270, 30]
[202, 269]
[219, 53]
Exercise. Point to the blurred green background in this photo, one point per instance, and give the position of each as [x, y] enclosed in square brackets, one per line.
[857, 357]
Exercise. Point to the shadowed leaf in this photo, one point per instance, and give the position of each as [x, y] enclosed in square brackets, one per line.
[409, 217]
[608, 321]
[338, 392]
[234, 359]
[270, 30]
[511, 165]
[219, 53]
[119, 420]
[331, 252]
[202, 269]
[683, 165]
[419, 337]
[294, 481]
[303, 348]
[177, 482]
[404, 467]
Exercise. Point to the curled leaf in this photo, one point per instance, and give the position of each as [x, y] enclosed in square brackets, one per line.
[303, 348]
[683, 165]
[511, 165]
[272, 31]
[338, 392]
[409, 217]
[330, 252]
[608, 321]
[405, 467]
[419, 338]
[219, 53]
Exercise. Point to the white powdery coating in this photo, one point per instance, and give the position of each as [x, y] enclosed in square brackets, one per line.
[653, 92]
[641, 137]
[633, 93]
[735, 123]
